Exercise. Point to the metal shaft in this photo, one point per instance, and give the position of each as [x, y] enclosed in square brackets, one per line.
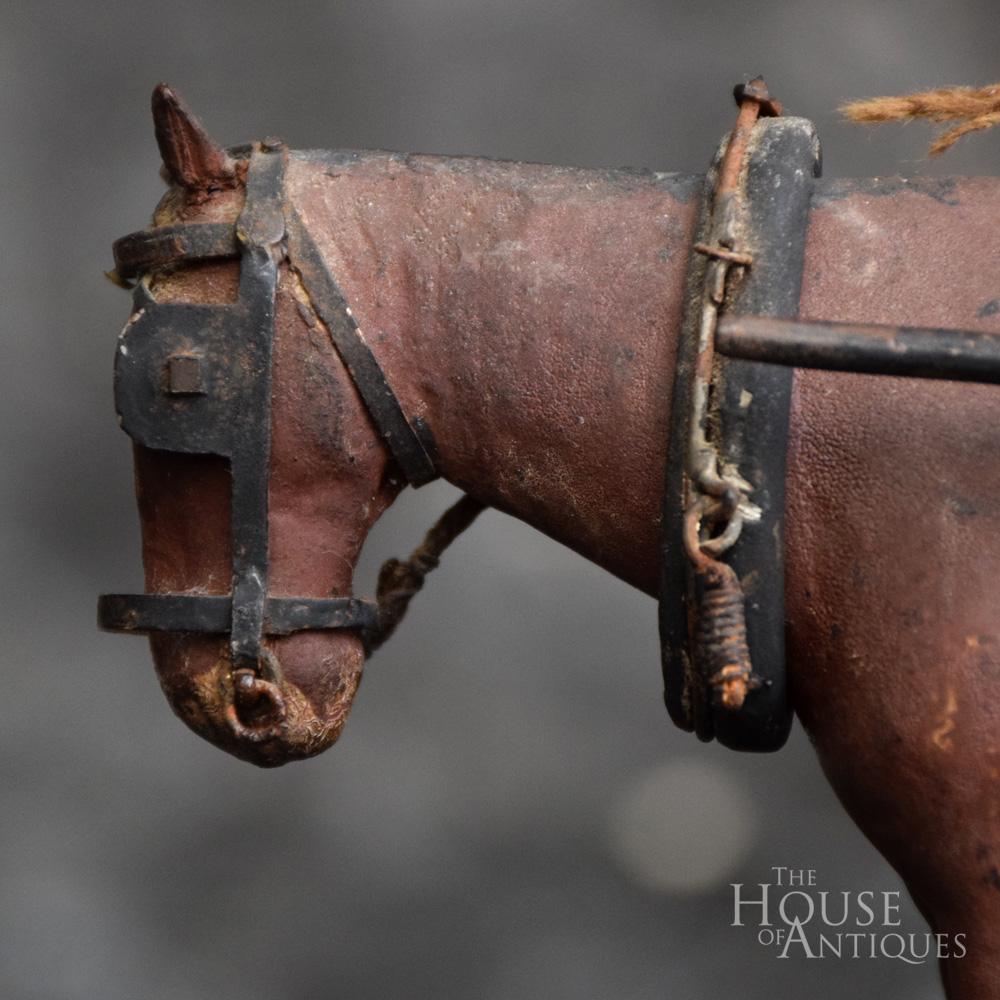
[956, 355]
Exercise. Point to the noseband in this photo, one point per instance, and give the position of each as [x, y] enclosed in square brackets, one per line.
[196, 379]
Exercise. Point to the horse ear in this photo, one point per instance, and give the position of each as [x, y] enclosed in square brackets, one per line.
[190, 157]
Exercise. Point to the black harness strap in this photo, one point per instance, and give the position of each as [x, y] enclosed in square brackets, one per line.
[754, 411]
[168, 245]
[259, 229]
[213, 613]
[410, 443]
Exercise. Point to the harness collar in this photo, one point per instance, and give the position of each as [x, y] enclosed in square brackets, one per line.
[722, 596]
[724, 496]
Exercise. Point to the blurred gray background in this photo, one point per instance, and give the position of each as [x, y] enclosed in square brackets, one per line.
[548, 836]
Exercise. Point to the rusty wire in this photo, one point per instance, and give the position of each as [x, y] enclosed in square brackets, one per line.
[718, 500]
[729, 491]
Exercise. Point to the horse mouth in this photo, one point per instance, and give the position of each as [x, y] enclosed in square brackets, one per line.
[265, 720]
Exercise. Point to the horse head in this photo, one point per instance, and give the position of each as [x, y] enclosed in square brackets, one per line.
[271, 432]
[259, 469]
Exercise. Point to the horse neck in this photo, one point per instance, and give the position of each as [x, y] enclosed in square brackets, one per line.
[529, 314]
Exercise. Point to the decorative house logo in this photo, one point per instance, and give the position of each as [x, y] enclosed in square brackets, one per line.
[796, 918]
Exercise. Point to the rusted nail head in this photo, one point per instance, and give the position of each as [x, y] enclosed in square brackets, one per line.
[756, 90]
[184, 375]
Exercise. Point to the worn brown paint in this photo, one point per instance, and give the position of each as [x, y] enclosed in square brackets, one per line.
[530, 314]
[894, 547]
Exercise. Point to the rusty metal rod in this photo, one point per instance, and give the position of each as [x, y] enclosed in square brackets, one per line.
[753, 100]
[955, 355]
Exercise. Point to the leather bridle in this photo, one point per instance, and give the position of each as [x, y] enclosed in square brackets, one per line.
[196, 379]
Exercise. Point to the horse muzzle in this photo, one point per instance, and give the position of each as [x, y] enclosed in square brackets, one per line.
[270, 716]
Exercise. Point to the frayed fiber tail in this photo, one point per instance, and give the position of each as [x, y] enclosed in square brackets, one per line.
[974, 109]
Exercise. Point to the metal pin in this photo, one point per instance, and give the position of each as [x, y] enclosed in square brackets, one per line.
[184, 375]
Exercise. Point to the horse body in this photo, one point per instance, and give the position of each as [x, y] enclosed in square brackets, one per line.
[530, 316]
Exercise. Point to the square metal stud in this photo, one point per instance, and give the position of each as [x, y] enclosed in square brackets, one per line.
[184, 375]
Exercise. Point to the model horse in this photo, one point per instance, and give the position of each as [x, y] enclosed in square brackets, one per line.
[527, 318]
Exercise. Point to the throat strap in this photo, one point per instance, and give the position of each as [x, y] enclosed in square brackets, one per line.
[409, 442]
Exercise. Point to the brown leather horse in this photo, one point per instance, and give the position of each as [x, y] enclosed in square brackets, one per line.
[529, 316]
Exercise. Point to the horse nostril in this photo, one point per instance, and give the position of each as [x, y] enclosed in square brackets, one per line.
[257, 707]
